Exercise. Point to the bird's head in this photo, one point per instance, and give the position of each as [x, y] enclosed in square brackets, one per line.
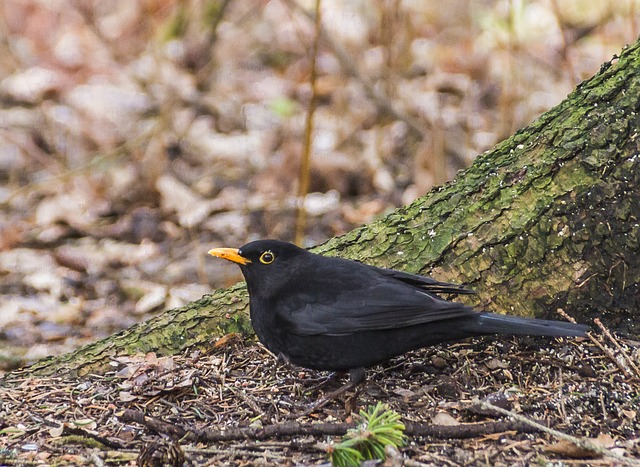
[267, 265]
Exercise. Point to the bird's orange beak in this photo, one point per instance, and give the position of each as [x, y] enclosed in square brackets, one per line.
[230, 254]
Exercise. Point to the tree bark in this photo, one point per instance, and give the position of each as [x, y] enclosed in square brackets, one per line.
[547, 219]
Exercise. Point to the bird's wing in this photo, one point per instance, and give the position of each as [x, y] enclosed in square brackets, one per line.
[367, 305]
[426, 283]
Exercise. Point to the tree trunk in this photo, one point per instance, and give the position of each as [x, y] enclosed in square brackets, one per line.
[547, 219]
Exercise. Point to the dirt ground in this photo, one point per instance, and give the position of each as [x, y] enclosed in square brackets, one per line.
[235, 405]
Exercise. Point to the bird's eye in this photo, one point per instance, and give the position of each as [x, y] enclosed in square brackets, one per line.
[267, 257]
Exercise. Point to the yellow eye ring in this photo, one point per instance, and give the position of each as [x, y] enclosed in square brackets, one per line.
[267, 257]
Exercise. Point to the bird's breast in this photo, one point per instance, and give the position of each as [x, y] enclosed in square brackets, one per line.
[267, 326]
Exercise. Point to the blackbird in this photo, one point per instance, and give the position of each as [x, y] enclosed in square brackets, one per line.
[336, 314]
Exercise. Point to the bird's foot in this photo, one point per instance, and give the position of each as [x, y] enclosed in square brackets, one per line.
[356, 378]
[325, 381]
[351, 402]
[326, 399]
[281, 361]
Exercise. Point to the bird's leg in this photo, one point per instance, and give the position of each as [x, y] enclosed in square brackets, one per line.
[356, 377]
[328, 380]
[281, 360]
[351, 402]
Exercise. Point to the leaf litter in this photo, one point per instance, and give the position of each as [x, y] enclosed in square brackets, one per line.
[240, 396]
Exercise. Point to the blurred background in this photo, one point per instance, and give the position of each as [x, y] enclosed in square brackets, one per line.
[134, 136]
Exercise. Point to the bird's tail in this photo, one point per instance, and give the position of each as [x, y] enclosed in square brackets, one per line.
[492, 323]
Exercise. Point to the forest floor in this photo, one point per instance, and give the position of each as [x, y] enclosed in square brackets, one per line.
[234, 407]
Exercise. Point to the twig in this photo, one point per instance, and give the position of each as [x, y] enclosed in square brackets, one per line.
[109, 441]
[305, 163]
[566, 316]
[152, 423]
[617, 345]
[234, 434]
[608, 353]
[348, 64]
[598, 344]
[466, 430]
[583, 443]
[287, 429]
[247, 400]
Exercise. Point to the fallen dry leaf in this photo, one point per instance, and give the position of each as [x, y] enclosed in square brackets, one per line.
[443, 418]
[568, 449]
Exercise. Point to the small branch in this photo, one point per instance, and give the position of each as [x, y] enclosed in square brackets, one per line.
[617, 345]
[598, 344]
[154, 424]
[110, 442]
[348, 64]
[305, 163]
[583, 443]
[466, 430]
[287, 429]
[233, 434]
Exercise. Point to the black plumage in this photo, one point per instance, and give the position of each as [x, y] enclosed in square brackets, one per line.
[335, 314]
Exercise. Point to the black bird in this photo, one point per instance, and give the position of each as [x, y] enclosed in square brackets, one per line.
[336, 314]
